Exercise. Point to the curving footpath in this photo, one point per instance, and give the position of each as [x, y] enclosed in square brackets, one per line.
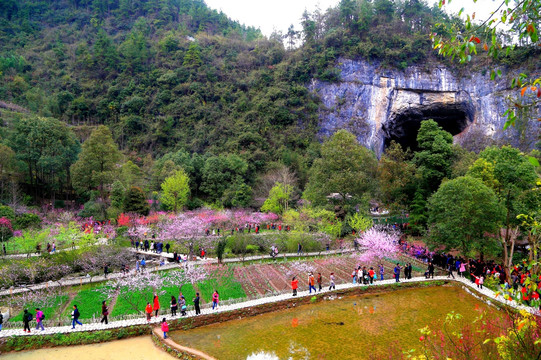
[80, 280]
[246, 304]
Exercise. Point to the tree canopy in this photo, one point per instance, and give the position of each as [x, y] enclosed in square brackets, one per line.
[345, 168]
[176, 190]
[97, 162]
[463, 214]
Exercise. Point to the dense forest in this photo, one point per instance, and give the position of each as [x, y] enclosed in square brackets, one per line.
[180, 87]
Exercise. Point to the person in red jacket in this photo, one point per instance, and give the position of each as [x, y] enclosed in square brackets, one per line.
[148, 311]
[311, 283]
[294, 285]
[156, 305]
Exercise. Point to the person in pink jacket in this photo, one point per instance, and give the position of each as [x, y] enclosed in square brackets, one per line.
[215, 299]
[462, 268]
[165, 328]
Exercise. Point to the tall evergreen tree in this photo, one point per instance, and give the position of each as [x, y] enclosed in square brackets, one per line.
[96, 166]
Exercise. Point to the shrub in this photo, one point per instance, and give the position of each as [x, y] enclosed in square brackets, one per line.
[251, 249]
[121, 230]
[7, 212]
[95, 209]
[25, 221]
[135, 201]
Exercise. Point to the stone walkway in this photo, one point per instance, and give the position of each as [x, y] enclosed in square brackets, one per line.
[100, 278]
[250, 258]
[80, 280]
[155, 320]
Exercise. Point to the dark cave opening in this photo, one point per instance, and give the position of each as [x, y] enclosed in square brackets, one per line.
[404, 126]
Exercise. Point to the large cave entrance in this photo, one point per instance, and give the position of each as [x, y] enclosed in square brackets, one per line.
[403, 126]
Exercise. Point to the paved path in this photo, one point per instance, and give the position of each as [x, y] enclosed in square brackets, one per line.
[95, 279]
[80, 280]
[142, 320]
[250, 258]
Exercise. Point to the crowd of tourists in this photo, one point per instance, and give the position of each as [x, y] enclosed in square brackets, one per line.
[312, 283]
[478, 271]
[151, 309]
[152, 245]
[248, 227]
[361, 275]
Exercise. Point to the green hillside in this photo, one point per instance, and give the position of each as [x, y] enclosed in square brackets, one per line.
[181, 85]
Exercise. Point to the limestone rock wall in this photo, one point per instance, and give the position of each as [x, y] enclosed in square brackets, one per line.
[376, 104]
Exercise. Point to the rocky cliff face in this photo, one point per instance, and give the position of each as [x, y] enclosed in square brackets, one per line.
[380, 105]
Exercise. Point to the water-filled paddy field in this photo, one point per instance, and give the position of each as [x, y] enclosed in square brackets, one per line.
[374, 326]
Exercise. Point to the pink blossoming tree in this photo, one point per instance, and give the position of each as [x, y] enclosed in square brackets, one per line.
[188, 232]
[378, 243]
[6, 230]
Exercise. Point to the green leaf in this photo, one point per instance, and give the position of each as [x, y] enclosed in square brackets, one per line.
[533, 161]
[499, 72]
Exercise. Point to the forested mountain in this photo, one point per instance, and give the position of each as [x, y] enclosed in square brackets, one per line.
[181, 85]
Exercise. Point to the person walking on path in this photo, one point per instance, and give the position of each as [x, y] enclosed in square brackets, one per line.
[165, 328]
[462, 269]
[299, 249]
[319, 280]
[75, 317]
[196, 301]
[430, 270]
[332, 285]
[409, 270]
[354, 276]
[143, 265]
[450, 269]
[174, 306]
[182, 304]
[39, 319]
[167, 247]
[156, 306]
[148, 311]
[371, 273]
[105, 271]
[215, 299]
[27, 317]
[311, 283]
[381, 271]
[104, 312]
[1, 320]
[294, 285]
[397, 272]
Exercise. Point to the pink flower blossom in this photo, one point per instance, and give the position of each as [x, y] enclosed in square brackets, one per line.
[378, 243]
